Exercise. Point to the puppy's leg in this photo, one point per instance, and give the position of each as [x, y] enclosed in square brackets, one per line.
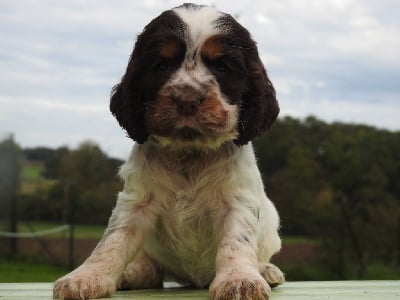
[237, 270]
[142, 273]
[98, 275]
[269, 245]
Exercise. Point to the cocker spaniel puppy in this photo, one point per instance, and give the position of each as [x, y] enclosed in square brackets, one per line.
[193, 206]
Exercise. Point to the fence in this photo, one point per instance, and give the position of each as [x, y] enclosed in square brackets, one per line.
[13, 241]
[9, 174]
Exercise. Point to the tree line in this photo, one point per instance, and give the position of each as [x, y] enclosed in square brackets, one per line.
[336, 182]
[339, 183]
[85, 176]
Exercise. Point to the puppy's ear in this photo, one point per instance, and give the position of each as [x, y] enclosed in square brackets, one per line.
[137, 87]
[127, 104]
[129, 113]
[259, 107]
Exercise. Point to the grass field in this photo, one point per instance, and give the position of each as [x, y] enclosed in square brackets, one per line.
[32, 171]
[36, 269]
[298, 240]
[32, 180]
[33, 270]
[26, 270]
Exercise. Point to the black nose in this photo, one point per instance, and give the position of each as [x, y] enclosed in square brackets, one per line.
[187, 106]
[187, 100]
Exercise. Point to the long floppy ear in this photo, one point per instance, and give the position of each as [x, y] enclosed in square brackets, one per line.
[129, 97]
[127, 103]
[259, 107]
[127, 107]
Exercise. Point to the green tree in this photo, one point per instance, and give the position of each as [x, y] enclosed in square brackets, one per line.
[93, 180]
[316, 173]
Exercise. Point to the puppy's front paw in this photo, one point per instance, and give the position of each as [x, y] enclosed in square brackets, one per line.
[84, 283]
[239, 287]
[272, 274]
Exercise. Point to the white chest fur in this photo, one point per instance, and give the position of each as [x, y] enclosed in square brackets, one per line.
[181, 201]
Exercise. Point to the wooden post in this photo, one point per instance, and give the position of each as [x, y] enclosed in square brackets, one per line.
[71, 222]
[341, 250]
[12, 181]
[398, 243]
[353, 237]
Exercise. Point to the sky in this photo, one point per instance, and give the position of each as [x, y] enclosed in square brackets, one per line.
[338, 60]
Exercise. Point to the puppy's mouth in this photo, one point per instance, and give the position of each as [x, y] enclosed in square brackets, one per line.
[206, 123]
[188, 133]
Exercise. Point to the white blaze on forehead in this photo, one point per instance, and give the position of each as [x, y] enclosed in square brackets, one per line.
[200, 22]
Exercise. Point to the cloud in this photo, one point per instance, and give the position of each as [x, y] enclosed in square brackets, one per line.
[54, 123]
[336, 59]
[327, 54]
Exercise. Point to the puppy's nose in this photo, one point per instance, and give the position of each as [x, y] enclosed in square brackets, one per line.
[187, 106]
[187, 100]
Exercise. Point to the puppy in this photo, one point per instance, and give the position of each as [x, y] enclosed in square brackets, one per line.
[193, 205]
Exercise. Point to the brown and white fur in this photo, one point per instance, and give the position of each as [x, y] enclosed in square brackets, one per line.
[193, 204]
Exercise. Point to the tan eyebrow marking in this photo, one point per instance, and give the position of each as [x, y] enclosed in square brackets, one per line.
[213, 48]
[169, 49]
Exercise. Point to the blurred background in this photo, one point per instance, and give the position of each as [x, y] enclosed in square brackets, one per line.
[331, 163]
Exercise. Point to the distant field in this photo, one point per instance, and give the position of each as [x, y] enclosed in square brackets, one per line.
[23, 270]
[32, 179]
[298, 240]
[35, 268]
[32, 171]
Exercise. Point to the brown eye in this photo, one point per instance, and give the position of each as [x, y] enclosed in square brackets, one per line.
[163, 66]
[220, 67]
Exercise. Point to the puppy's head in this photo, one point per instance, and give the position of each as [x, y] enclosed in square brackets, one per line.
[194, 78]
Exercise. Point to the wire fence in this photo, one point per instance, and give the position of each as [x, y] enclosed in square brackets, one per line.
[35, 234]
[50, 241]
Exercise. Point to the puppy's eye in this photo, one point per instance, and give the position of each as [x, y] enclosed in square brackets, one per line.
[163, 66]
[220, 67]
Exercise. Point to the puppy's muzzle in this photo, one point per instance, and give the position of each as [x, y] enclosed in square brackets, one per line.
[187, 99]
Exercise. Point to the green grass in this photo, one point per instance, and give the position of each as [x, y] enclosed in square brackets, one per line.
[26, 270]
[32, 171]
[20, 269]
[32, 181]
[316, 271]
[86, 231]
[298, 240]
[375, 271]
[32, 187]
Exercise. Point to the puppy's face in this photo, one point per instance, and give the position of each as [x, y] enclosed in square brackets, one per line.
[194, 78]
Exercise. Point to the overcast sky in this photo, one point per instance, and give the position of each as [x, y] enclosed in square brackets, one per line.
[336, 59]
